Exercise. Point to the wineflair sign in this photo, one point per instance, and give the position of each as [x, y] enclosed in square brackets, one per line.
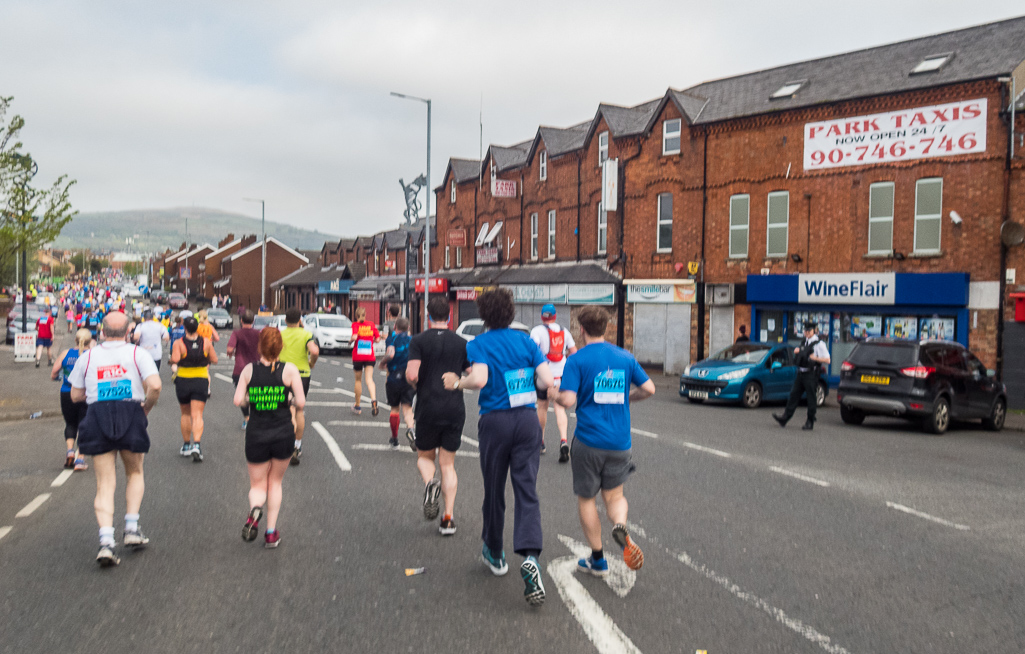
[847, 288]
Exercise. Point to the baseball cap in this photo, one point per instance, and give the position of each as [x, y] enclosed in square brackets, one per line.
[548, 310]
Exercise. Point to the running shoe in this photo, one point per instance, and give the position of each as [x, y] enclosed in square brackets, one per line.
[447, 527]
[186, 449]
[598, 568]
[245, 423]
[394, 442]
[632, 554]
[411, 439]
[357, 409]
[106, 557]
[80, 464]
[373, 408]
[197, 454]
[533, 587]
[252, 527]
[271, 539]
[136, 539]
[297, 454]
[70, 461]
[497, 564]
[431, 494]
[544, 450]
[564, 452]
[37, 363]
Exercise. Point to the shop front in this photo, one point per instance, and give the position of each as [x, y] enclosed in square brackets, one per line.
[333, 292]
[374, 294]
[662, 311]
[849, 307]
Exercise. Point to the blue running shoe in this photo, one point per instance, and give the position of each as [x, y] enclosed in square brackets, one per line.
[598, 568]
[533, 587]
[497, 564]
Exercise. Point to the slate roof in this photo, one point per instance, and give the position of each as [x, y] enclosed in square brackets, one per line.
[627, 121]
[559, 141]
[464, 169]
[980, 52]
[513, 156]
[312, 275]
[575, 273]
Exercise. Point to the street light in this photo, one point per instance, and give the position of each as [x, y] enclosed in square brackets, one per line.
[427, 220]
[31, 168]
[263, 254]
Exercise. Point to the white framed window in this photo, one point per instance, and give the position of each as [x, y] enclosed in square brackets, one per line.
[664, 242]
[551, 234]
[880, 218]
[459, 257]
[543, 164]
[603, 229]
[777, 224]
[928, 214]
[452, 192]
[603, 147]
[494, 175]
[533, 236]
[448, 261]
[671, 136]
[376, 261]
[788, 90]
[740, 221]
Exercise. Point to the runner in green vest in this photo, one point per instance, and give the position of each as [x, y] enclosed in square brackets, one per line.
[300, 350]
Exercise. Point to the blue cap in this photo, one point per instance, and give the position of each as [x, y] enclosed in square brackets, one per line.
[548, 310]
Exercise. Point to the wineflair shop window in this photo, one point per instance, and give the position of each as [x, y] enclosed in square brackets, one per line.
[849, 307]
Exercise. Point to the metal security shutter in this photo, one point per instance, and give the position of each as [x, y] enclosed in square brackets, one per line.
[720, 332]
[677, 338]
[649, 333]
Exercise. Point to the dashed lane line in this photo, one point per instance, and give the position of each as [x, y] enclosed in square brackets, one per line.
[61, 478]
[358, 423]
[32, 506]
[707, 450]
[467, 439]
[797, 475]
[335, 363]
[224, 378]
[381, 447]
[641, 432]
[336, 451]
[315, 382]
[926, 516]
[4, 531]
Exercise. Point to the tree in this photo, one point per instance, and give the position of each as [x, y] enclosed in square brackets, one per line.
[29, 216]
[96, 266]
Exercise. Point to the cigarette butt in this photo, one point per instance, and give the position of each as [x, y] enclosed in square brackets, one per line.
[415, 571]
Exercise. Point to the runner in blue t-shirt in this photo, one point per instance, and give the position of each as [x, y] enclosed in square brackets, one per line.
[508, 367]
[597, 379]
[400, 394]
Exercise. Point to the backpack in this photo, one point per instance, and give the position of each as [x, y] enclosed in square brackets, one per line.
[556, 344]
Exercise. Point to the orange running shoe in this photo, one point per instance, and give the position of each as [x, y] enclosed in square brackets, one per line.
[632, 554]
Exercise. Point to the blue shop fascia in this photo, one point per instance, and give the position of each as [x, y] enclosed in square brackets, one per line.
[849, 307]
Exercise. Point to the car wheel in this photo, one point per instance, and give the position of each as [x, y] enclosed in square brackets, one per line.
[995, 421]
[752, 396]
[820, 394]
[851, 416]
[939, 420]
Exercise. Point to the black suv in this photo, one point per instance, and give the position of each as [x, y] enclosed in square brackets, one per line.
[932, 381]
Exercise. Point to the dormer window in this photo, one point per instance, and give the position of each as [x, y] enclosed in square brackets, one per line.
[932, 63]
[788, 90]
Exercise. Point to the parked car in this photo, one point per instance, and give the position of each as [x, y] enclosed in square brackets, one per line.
[470, 329]
[930, 382]
[35, 311]
[266, 321]
[749, 373]
[220, 318]
[159, 296]
[134, 292]
[331, 332]
[177, 301]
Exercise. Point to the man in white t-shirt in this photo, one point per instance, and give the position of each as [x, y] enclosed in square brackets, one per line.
[556, 344]
[121, 385]
[150, 336]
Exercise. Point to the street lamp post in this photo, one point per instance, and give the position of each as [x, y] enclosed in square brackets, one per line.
[427, 218]
[263, 253]
[31, 168]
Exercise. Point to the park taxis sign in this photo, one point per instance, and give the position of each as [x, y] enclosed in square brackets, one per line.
[847, 288]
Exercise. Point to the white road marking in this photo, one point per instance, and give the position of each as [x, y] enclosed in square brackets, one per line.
[328, 404]
[469, 440]
[336, 451]
[797, 475]
[793, 624]
[382, 447]
[343, 392]
[329, 390]
[358, 423]
[32, 506]
[641, 432]
[224, 378]
[61, 478]
[314, 382]
[620, 579]
[5, 530]
[335, 363]
[599, 627]
[926, 516]
[348, 365]
[702, 448]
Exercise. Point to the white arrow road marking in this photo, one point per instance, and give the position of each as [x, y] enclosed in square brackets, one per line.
[32, 506]
[599, 627]
[926, 516]
[5, 530]
[381, 447]
[620, 579]
[336, 451]
[224, 378]
[61, 478]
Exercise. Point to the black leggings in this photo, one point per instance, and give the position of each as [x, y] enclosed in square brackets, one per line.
[74, 414]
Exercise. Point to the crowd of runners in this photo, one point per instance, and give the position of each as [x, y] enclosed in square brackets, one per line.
[111, 381]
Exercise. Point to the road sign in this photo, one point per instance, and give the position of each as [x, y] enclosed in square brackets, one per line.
[24, 347]
[185, 273]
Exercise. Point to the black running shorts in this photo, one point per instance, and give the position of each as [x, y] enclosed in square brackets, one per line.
[399, 392]
[113, 426]
[192, 389]
[432, 436]
[257, 452]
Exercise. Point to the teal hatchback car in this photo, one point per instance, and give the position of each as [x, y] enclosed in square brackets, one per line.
[748, 373]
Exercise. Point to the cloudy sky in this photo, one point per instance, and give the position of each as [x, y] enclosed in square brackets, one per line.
[204, 102]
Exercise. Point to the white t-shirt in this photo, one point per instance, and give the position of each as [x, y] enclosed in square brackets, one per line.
[150, 335]
[112, 371]
[540, 336]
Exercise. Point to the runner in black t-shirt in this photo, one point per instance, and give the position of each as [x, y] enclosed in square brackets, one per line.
[439, 413]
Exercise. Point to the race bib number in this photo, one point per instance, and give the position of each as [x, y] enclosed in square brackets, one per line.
[110, 391]
[365, 348]
[520, 385]
[610, 387]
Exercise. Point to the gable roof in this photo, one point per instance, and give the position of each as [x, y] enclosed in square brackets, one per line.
[270, 239]
[558, 140]
[506, 158]
[980, 52]
[223, 248]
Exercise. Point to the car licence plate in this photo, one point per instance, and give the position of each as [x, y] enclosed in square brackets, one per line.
[875, 379]
[698, 395]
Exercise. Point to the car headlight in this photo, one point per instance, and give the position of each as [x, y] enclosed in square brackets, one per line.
[686, 371]
[736, 374]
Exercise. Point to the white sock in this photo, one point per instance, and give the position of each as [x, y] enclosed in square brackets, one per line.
[299, 444]
[131, 522]
[107, 536]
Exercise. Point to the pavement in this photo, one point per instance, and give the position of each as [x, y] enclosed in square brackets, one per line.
[19, 400]
[757, 539]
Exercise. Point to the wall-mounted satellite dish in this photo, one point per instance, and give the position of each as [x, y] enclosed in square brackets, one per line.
[1012, 233]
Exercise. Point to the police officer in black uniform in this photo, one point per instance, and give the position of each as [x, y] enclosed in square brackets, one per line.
[809, 357]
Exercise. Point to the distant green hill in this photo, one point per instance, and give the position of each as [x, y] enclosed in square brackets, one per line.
[154, 230]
